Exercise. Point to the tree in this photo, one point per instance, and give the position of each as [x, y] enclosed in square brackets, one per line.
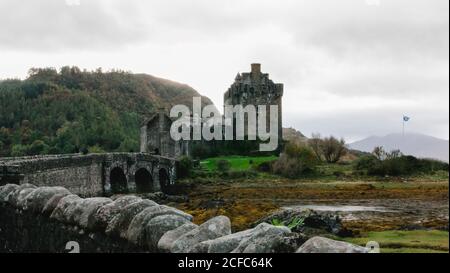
[19, 150]
[333, 149]
[315, 142]
[38, 147]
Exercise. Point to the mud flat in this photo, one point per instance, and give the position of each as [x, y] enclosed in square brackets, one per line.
[384, 214]
[363, 206]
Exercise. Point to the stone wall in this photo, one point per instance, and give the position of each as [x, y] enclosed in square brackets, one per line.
[45, 219]
[87, 175]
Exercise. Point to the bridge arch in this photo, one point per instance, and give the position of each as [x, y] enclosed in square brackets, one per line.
[144, 180]
[118, 180]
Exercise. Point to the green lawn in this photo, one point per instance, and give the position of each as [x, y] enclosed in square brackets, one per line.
[415, 241]
[238, 163]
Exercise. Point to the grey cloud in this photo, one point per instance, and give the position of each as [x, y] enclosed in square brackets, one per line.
[394, 52]
[54, 25]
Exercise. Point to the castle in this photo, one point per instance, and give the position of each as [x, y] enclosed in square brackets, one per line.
[256, 88]
[251, 88]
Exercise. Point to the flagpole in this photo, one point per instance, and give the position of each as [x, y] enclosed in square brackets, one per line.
[403, 130]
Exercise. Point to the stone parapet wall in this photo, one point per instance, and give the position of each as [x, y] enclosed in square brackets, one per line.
[47, 219]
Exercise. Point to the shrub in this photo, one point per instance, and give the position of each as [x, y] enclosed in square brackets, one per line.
[94, 150]
[333, 149]
[366, 162]
[184, 167]
[295, 161]
[329, 149]
[265, 166]
[223, 165]
[395, 164]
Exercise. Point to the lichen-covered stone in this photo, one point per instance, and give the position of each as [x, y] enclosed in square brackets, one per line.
[325, 245]
[72, 212]
[52, 203]
[225, 244]
[159, 225]
[19, 193]
[19, 201]
[118, 226]
[6, 190]
[136, 231]
[36, 200]
[276, 243]
[98, 221]
[167, 240]
[87, 207]
[214, 228]
[59, 213]
[314, 222]
[260, 234]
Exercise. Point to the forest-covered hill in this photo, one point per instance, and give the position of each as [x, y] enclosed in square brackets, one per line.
[71, 110]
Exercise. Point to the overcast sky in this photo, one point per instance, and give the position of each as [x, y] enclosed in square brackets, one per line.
[351, 68]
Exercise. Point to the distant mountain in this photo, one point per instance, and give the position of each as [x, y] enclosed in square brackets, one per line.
[72, 110]
[417, 145]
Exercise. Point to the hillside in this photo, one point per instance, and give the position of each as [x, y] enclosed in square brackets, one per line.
[292, 135]
[71, 110]
[418, 145]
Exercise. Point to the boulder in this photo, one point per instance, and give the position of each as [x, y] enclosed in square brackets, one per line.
[118, 226]
[14, 196]
[136, 231]
[52, 203]
[159, 225]
[325, 245]
[225, 244]
[214, 228]
[6, 190]
[19, 200]
[167, 240]
[314, 222]
[260, 235]
[36, 200]
[87, 207]
[60, 209]
[73, 211]
[276, 243]
[99, 220]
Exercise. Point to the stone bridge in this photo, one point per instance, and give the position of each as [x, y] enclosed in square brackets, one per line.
[93, 174]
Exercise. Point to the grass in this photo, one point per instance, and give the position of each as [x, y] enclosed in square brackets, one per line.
[238, 163]
[324, 172]
[415, 241]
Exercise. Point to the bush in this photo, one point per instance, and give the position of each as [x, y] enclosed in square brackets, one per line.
[94, 150]
[329, 149]
[397, 165]
[366, 162]
[333, 149]
[184, 167]
[295, 161]
[223, 165]
[19, 150]
[265, 166]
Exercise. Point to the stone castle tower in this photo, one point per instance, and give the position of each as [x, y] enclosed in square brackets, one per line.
[255, 88]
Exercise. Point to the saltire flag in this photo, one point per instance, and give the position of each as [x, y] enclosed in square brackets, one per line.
[406, 118]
